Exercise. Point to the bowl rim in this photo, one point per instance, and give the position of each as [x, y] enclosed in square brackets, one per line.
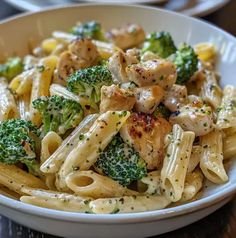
[126, 217]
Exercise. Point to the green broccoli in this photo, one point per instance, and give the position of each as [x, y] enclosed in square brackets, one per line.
[91, 30]
[11, 68]
[162, 111]
[160, 43]
[186, 62]
[18, 139]
[88, 82]
[58, 113]
[121, 162]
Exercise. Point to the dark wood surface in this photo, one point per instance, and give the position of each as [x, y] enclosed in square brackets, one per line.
[220, 224]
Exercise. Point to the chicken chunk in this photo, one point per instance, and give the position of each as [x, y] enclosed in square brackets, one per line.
[86, 52]
[175, 97]
[146, 134]
[67, 64]
[114, 98]
[127, 36]
[117, 65]
[147, 98]
[152, 72]
[80, 54]
[198, 119]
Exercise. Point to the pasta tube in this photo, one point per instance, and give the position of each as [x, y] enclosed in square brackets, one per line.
[15, 178]
[55, 200]
[205, 51]
[211, 162]
[229, 147]
[128, 204]
[8, 193]
[49, 145]
[22, 83]
[227, 111]
[41, 84]
[151, 184]
[23, 106]
[95, 140]
[91, 184]
[194, 158]
[193, 184]
[54, 162]
[176, 163]
[210, 91]
[8, 108]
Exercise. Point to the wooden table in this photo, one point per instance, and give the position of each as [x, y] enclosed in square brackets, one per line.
[220, 224]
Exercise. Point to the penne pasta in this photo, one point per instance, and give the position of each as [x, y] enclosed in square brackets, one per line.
[41, 84]
[50, 143]
[54, 162]
[8, 193]
[22, 83]
[194, 158]
[55, 200]
[193, 184]
[91, 184]
[210, 91]
[227, 111]
[85, 154]
[15, 178]
[23, 106]
[176, 163]
[150, 184]
[128, 204]
[229, 146]
[211, 162]
[8, 107]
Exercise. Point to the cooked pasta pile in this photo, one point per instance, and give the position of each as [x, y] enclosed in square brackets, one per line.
[113, 122]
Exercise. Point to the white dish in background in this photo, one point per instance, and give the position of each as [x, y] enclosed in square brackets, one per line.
[187, 7]
[34, 27]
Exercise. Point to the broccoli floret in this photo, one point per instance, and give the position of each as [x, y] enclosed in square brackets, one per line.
[88, 82]
[162, 111]
[18, 140]
[91, 30]
[121, 162]
[160, 43]
[11, 68]
[58, 113]
[186, 62]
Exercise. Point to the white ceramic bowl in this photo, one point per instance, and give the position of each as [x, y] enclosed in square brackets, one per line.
[15, 35]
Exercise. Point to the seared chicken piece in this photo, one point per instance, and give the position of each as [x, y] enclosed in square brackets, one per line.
[147, 98]
[117, 65]
[146, 134]
[67, 64]
[194, 117]
[82, 53]
[127, 36]
[152, 72]
[133, 56]
[86, 52]
[175, 97]
[118, 62]
[114, 98]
